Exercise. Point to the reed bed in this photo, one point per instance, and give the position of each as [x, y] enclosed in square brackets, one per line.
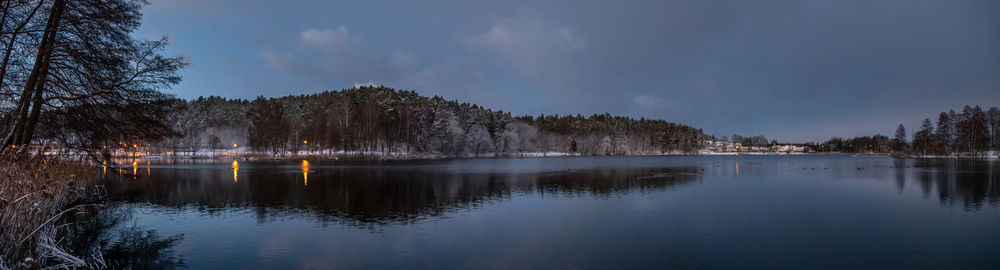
[43, 201]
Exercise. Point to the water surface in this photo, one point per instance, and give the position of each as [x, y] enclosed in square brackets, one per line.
[831, 212]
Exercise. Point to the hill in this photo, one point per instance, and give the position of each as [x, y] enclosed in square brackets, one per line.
[386, 120]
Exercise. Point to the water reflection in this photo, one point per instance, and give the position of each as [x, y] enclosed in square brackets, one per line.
[236, 168]
[968, 183]
[678, 212]
[381, 195]
[900, 166]
[305, 172]
[391, 193]
[136, 248]
[122, 245]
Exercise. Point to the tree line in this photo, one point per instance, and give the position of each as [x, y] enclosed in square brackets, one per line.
[971, 132]
[382, 120]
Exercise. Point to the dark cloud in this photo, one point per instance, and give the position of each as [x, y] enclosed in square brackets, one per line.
[793, 70]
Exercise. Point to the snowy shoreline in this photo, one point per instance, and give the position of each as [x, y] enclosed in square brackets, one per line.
[208, 155]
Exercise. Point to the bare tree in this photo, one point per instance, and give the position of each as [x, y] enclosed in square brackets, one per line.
[86, 58]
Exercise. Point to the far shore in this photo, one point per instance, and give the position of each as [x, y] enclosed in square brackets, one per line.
[208, 156]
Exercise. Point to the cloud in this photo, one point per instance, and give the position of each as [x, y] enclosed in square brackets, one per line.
[277, 60]
[402, 59]
[287, 63]
[552, 57]
[782, 68]
[528, 43]
[329, 39]
[650, 103]
[335, 56]
[327, 55]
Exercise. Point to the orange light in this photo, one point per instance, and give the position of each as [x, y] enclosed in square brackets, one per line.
[305, 172]
[234, 145]
[236, 167]
[305, 142]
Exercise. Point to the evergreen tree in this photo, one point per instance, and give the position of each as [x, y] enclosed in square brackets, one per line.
[944, 133]
[899, 143]
[993, 123]
[901, 133]
[923, 141]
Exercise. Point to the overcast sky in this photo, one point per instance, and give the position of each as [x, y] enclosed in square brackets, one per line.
[791, 70]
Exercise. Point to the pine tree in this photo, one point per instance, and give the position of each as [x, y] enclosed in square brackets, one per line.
[993, 121]
[899, 143]
[901, 133]
[943, 134]
[923, 140]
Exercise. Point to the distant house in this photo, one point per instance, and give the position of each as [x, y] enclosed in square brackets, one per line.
[733, 147]
[788, 148]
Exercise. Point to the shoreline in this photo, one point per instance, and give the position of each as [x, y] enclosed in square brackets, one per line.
[126, 156]
[144, 158]
[418, 157]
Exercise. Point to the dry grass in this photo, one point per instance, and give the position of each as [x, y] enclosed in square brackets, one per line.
[40, 201]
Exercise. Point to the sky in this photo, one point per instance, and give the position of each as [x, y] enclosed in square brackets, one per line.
[795, 71]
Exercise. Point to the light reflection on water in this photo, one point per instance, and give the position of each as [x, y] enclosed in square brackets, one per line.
[305, 172]
[602, 212]
[236, 169]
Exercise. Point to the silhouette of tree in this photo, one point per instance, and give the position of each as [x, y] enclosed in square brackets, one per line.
[268, 128]
[84, 58]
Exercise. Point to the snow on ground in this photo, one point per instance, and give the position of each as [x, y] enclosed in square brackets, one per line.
[245, 153]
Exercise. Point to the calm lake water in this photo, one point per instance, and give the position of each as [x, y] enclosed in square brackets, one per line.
[832, 212]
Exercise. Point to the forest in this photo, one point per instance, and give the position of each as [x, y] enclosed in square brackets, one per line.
[385, 121]
[972, 132]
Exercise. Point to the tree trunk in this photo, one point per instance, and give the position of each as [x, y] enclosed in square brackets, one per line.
[13, 136]
[39, 79]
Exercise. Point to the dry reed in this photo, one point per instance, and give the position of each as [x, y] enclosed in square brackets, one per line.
[40, 200]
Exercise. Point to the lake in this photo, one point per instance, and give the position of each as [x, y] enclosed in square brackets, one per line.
[657, 212]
